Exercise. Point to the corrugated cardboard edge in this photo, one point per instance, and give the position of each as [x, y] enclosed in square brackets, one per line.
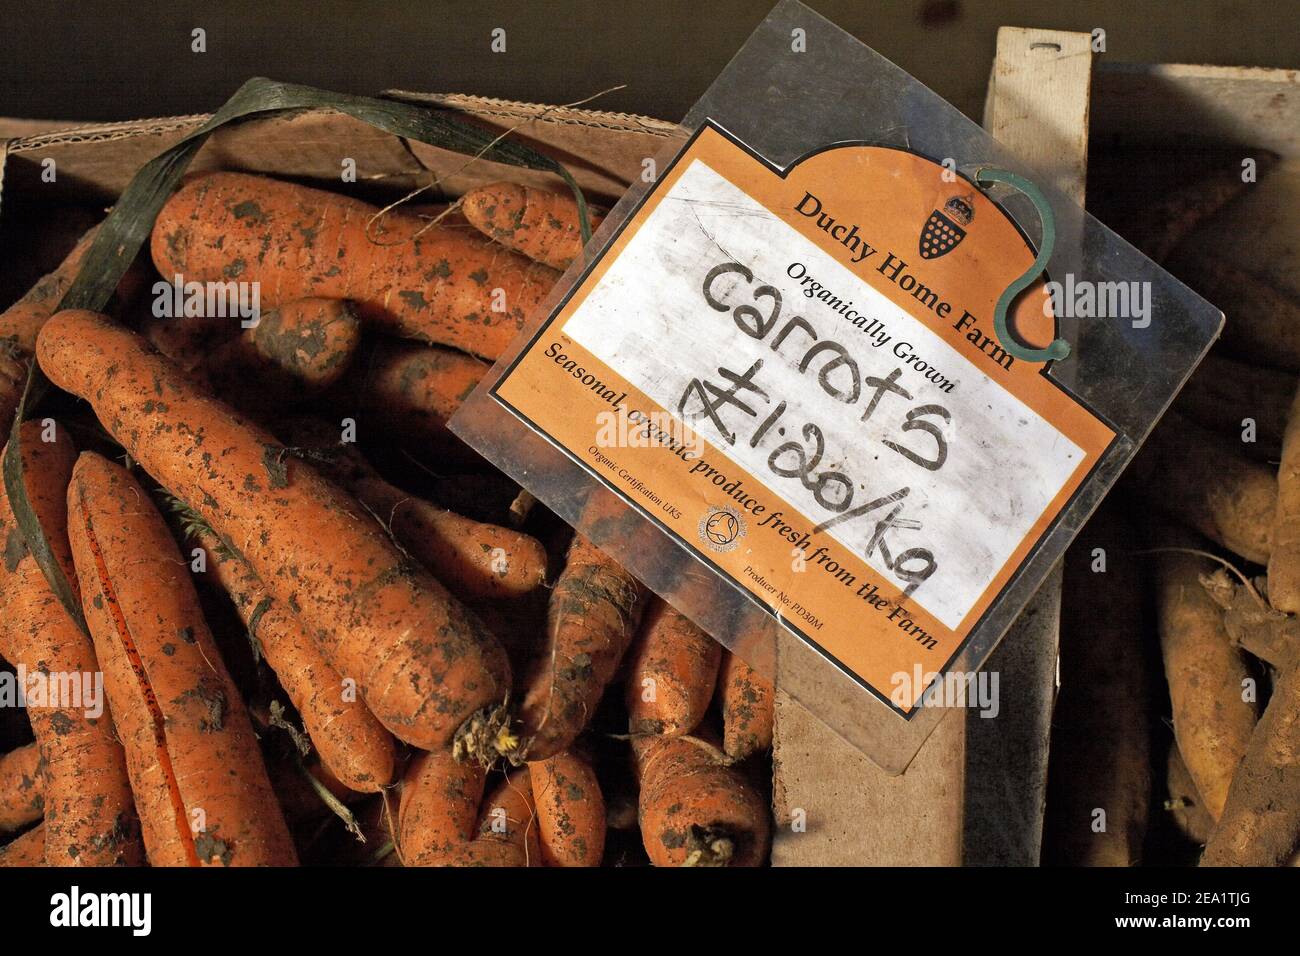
[95, 159]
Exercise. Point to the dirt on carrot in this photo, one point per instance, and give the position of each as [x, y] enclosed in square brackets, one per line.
[22, 788]
[438, 817]
[672, 671]
[594, 611]
[1260, 825]
[695, 809]
[1203, 480]
[350, 741]
[537, 223]
[474, 560]
[748, 703]
[422, 662]
[195, 768]
[410, 391]
[26, 850]
[292, 353]
[444, 286]
[90, 819]
[570, 810]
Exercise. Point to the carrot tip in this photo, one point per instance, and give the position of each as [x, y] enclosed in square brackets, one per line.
[488, 735]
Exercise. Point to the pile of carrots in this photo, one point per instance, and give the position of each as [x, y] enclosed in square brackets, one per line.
[328, 632]
[1177, 732]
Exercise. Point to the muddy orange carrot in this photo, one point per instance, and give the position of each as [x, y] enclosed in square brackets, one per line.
[570, 810]
[26, 850]
[473, 560]
[445, 286]
[695, 810]
[672, 671]
[538, 223]
[411, 391]
[90, 819]
[422, 662]
[22, 788]
[594, 611]
[300, 348]
[509, 818]
[748, 708]
[351, 742]
[197, 774]
[437, 821]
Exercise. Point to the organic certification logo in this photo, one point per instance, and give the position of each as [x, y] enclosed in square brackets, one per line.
[721, 529]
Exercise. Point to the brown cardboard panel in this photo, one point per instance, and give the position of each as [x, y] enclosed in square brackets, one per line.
[604, 151]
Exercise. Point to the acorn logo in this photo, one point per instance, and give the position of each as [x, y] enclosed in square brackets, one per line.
[945, 229]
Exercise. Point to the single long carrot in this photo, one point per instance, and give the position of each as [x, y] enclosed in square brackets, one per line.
[593, 613]
[1260, 825]
[90, 819]
[694, 809]
[538, 223]
[472, 559]
[197, 774]
[22, 788]
[351, 742]
[26, 850]
[410, 391]
[422, 662]
[437, 819]
[748, 708]
[1213, 720]
[1202, 480]
[671, 673]
[443, 285]
[296, 350]
[570, 810]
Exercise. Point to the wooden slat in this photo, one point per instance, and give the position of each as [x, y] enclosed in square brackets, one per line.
[974, 793]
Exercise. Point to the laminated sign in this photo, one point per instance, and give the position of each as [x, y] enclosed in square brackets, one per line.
[792, 357]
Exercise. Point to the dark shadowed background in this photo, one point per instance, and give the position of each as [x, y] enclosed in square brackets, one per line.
[110, 60]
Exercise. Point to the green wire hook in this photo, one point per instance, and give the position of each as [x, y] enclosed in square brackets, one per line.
[1059, 348]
